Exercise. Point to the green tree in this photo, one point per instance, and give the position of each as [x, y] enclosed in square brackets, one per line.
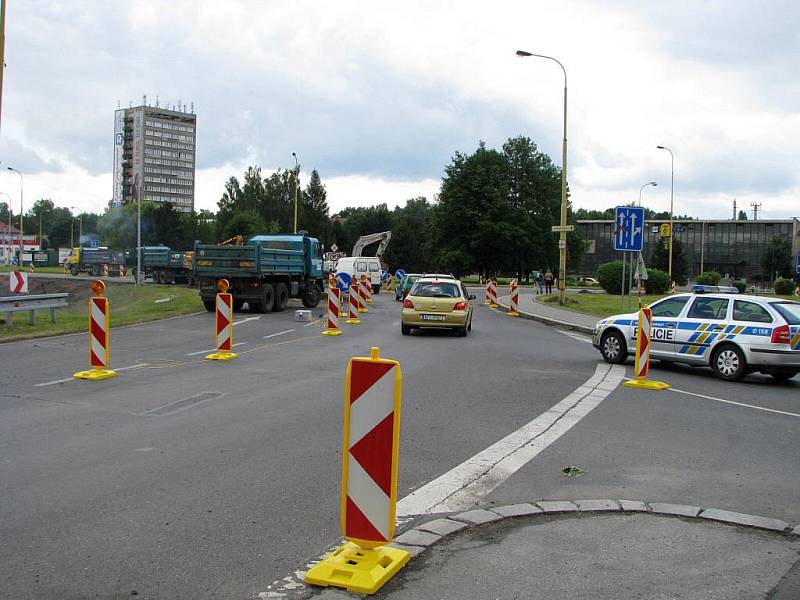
[660, 259]
[313, 211]
[410, 247]
[777, 258]
[472, 221]
[170, 228]
[247, 223]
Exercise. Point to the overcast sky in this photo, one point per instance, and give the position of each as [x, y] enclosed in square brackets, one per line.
[377, 96]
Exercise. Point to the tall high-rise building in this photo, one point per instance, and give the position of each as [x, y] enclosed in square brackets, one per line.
[154, 156]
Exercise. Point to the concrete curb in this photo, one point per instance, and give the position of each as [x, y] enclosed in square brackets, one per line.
[454, 523]
[547, 320]
[440, 527]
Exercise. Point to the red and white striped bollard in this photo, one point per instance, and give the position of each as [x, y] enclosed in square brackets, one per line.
[99, 351]
[332, 327]
[513, 291]
[223, 324]
[373, 388]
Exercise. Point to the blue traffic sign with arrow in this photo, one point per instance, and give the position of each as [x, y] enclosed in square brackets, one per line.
[629, 229]
[343, 281]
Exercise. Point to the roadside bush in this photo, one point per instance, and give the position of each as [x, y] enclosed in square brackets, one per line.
[610, 277]
[740, 285]
[708, 278]
[657, 281]
[784, 287]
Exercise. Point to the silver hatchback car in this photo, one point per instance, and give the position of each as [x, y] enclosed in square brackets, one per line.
[715, 327]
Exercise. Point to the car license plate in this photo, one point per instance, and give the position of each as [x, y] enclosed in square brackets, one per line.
[432, 317]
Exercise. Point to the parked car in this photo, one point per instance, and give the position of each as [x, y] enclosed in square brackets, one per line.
[437, 303]
[715, 327]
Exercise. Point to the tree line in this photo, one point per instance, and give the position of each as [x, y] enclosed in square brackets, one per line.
[493, 214]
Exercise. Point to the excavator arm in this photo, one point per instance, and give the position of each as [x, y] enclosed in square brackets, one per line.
[365, 240]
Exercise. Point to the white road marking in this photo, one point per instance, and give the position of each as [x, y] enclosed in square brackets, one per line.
[128, 368]
[465, 485]
[575, 336]
[213, 349]
[277, 334]
[772, 410]
[240, 321]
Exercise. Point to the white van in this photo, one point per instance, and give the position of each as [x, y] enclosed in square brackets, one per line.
[356, 266]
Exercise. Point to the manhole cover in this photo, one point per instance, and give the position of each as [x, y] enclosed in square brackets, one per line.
[572, 471]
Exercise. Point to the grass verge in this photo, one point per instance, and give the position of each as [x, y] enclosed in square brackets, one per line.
[128, 304]
[603, 305]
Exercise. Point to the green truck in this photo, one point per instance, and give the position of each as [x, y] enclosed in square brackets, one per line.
[163, 264]
[264, 272]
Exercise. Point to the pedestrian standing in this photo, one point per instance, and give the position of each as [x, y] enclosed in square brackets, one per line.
[538, 279]
[548, 282]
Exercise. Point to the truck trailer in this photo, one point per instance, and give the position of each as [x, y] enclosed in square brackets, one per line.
[264, 272]
[163, 264]
[92, 259]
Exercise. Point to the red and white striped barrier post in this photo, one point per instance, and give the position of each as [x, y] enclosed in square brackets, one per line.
[353, 303]
[513, 291]
[99, 359]
[642, 364]
[493, 293]
[488, 299]
[122, 271]
[367, 281]
[362, 295]
[105, 270]
[332, 327]
[373, 389]
[223, 324]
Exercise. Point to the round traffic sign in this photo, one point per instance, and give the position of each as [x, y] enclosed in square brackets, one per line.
[343, 281]
[399, 274]
[384, 276]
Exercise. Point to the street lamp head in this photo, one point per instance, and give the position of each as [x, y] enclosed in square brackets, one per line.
[653, 183]
[523, 53]
[661, 147]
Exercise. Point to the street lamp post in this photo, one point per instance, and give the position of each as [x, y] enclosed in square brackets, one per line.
[653, 183]
[21, 188]
[671, 198]
[638, 281]
[296, 183]
[562, 242]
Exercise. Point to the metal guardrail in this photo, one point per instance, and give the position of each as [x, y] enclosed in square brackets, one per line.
[31, 303]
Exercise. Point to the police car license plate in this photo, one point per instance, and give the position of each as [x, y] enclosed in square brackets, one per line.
[432, 317]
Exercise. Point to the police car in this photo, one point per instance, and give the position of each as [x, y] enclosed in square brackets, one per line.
[716, 327]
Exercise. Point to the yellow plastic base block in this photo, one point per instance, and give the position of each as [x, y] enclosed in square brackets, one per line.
[95, 374]
[646, 384]
[363, 310]
[222, 355]
[332, 332]
[343, 315]
[513, 313]
[353, 321]
[492, 305]
[358, 569]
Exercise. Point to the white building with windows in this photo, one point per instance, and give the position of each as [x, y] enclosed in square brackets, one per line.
[154, 156]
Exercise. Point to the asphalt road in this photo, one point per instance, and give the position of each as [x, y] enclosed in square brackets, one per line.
[183, 478]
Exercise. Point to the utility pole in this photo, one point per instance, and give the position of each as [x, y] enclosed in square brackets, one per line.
[734, 210]
[2, 48]
[756, 206]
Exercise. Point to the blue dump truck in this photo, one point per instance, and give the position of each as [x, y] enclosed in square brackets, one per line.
[264, 272]
[163, 264]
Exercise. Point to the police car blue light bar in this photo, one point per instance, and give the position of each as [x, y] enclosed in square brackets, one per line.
[714, 289]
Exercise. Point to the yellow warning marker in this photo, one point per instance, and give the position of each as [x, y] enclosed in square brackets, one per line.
[642, 365]
[373, 388]
[98, 337]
